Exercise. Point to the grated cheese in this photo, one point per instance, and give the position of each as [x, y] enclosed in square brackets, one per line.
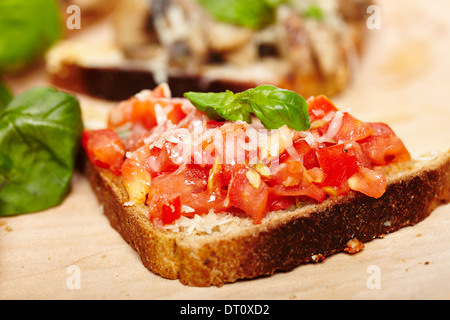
[335, 126]
[204, 224]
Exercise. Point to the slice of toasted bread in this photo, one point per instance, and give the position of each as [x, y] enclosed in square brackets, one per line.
[234, 248]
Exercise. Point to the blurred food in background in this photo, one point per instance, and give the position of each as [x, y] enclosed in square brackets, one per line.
[30, 28]
[91, 10]
[214, 45]
[91, 7]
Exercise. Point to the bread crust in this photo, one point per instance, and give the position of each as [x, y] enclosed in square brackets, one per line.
[284, 240]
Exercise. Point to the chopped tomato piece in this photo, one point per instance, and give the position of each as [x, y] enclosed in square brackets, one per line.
[289, 174]
[161, 91]
[353, 129]
[171, 212]
[384, 146]
[248, 196]
[311, 191]
[214, 124]
[340, 162]
[183, 183]
[177, 114]
[136, 180]
[142, 111]
[335, 191]
[156, 160]
[160, 160]
[368, 182]
[277, 203]
[121, 114]
[319, 107]
[228, 140]
[187, 179]
[221, 175]
[307, 153]
[202, 203]
[133, 111]
[104, 149]
[293, 180]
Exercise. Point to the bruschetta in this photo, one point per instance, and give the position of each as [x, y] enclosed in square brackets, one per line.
[216, 187]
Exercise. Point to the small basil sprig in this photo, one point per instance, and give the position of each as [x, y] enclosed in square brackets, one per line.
[275, 107]
[253, 14]
[40, 133]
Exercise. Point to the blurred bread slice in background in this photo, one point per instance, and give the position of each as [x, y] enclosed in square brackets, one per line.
[309, 47]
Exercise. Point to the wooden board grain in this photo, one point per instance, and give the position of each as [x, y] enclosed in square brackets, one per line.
[71, 252]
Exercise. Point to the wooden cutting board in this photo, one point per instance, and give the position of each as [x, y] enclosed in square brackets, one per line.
[71, 252]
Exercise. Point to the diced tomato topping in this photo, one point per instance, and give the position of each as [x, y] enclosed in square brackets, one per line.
[340, 162]
[214, 124]
[290, 173]
[368, 182]
[202, 203]
[104, 149]
[310, 190]
[160, 160]
[307, 153]
[276, 203]
[133, 111]
[294, 180]
[143, 112]
[221, 175]
[187, 179]
[171, 211]
[319, 107]
[331, 159]
[249, 197]
[353, 129]
[384, 146]
[161, 91]
[188, 183]
[136, 179]
[177, 114]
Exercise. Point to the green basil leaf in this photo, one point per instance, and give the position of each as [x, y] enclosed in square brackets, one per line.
[220, 106]
[207, 103]
[40, 133]
[5, 96]
[275, 107]
[28, 29]
[253, 14]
